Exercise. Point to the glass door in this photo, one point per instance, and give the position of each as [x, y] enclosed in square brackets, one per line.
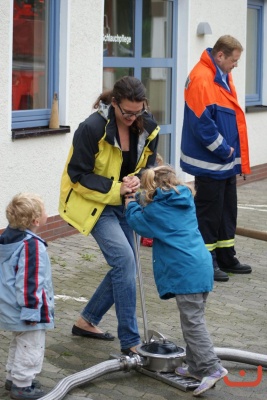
[138, 40]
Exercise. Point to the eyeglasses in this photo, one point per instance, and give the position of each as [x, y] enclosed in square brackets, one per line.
[232, 59]
[130, 114]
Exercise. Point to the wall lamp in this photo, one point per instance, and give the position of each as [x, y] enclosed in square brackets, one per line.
[204, 28]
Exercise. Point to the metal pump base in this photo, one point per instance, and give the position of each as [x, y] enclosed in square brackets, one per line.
[169, 378]
[172, 379]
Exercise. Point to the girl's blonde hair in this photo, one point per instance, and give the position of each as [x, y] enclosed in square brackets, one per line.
[162, 177]
[23, 209]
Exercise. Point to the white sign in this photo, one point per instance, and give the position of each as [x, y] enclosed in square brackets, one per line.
[117, 38]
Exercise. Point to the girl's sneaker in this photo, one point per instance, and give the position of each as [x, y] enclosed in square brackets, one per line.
[182, 371]
[209, 381]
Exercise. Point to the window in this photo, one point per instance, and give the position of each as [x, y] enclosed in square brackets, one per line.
[254, 53]
[138, 40]
[35, 61]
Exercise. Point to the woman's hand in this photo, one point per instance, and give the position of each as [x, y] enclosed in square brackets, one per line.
[132, 182]
[124, 189]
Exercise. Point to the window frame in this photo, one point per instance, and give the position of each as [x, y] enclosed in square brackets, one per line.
[40, 117]
[138, 62]
[255, 99]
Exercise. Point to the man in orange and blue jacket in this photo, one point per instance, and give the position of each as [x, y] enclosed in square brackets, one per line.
[214, 149]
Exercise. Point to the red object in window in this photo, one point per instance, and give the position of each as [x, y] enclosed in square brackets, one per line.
[25, 86]
[28, 53]
[28, 38]
[23, 10]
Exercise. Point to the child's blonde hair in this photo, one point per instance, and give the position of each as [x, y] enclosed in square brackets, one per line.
[163, 177]
[23, 209]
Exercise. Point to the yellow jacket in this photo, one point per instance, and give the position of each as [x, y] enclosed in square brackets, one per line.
[90, 179]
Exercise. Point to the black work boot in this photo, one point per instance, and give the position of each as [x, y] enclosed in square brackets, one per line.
[220, 276]
[237, 268]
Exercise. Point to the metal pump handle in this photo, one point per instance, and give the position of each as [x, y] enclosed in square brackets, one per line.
[147, 333]
[159, 335]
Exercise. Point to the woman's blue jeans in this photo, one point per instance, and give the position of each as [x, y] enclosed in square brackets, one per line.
[116, 241]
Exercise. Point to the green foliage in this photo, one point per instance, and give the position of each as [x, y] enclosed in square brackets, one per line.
[88, 257]
[58, 260]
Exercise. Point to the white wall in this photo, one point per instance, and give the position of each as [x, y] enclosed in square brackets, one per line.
[36, 164]
[257, 128]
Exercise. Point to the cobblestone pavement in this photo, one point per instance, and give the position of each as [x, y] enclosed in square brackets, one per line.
[236, 317]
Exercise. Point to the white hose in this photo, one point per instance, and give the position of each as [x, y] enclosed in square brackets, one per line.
[71, 381]
[241, 356]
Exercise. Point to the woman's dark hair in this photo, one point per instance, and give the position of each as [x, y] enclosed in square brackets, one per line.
[130, 88]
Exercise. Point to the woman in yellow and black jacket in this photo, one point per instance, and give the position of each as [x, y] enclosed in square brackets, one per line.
[109, 150]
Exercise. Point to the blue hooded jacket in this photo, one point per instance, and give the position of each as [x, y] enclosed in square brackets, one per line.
[26, 289]
[181, 262]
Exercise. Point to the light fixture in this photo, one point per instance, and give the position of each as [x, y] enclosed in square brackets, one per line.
[204, 28]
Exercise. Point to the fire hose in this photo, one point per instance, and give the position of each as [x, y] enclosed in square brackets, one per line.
[252, 233]
[126, 363]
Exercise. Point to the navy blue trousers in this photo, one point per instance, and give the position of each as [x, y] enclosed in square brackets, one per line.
[216, 209]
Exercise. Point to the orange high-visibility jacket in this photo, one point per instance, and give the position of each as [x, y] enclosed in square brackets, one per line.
[213, 122]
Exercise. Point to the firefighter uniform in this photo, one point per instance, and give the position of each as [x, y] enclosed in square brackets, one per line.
[213, 124]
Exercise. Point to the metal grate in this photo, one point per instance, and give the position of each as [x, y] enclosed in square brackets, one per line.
[172, 379]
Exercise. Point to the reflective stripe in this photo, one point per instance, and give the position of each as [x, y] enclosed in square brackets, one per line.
[225, 243]
[211, 246]
[209, 166]
[220, 244]
[213, 146]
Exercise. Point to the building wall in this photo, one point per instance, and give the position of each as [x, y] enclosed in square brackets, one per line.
[36, 164]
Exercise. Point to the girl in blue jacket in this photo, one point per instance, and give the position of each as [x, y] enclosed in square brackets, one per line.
[182, 265]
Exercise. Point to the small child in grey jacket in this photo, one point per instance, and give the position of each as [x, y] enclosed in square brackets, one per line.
[26, 294]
